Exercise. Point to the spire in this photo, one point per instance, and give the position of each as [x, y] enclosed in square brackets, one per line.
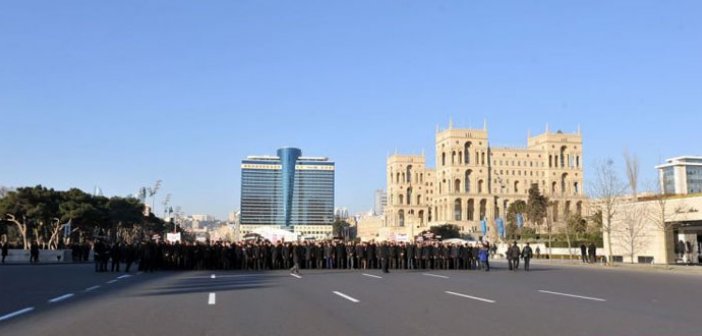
[547, 130]
[579, 130]
[485, 124]
[450, 123]
[528, 133]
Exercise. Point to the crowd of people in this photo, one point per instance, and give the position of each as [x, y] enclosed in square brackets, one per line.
[264, 255]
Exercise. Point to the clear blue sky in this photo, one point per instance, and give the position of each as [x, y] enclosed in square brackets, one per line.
[123, 93]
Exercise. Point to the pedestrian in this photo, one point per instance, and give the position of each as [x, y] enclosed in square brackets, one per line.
[583, 253]
[538, 252]
[592, 253]
[34, 252]
[383, 253]
[483, 254]
[5, 248]
[296, 259]
[515, 253]
[526, 254]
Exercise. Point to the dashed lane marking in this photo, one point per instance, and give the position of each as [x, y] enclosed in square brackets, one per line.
[470, 297]
[61, 298]
[90, 289]
[372, 276]
[296, 275]
[573, 296]
[211, 299]
[111, 282]
[17, 313]
[124, 276]
[346, 297]
[435, 275]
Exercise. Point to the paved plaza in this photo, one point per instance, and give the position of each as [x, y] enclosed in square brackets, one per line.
[549, 300]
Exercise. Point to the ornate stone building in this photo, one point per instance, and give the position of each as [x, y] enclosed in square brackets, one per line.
[473, 180]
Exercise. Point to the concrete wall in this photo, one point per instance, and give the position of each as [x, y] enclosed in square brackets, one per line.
[16, 256]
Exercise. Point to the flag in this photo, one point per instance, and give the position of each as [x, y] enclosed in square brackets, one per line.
[483, 226]
[520, 220]
[500, 227]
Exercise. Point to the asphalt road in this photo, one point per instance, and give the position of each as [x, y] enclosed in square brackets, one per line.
[550, 300]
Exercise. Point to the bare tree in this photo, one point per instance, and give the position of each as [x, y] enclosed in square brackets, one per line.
[632, 172]
[663, 217]
[4, 190]
[607, 190]
[21, 226]
[152, 191]
[632, 229]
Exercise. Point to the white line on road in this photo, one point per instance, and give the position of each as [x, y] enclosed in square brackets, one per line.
[212, 276]
[211, 299]
[123, 276]
[90, 289]
[295, 275]
[435, 275]
[61, 298]
[372, 276]
[111, 281]
[470, 297]
[19, 312]
[346, 297]
[573, 296]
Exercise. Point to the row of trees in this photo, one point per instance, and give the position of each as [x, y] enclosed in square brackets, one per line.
[43, 214]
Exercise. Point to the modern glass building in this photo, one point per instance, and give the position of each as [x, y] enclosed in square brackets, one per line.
[681, 175]
[287, 190]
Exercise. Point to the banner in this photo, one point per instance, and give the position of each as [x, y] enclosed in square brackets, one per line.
[520, 220]
[173, 237]
[483, 226]
[500, 227]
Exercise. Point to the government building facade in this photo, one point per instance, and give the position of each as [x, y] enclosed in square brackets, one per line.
[474, 181]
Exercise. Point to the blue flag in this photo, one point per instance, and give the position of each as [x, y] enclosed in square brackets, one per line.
[500, 227]
[483, 226]
[520, 220]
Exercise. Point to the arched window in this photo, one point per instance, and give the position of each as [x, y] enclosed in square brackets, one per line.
[483, 208]
[457, 210]
[563, 183]
[482, 158]
[577, 161]
[421, 178]
[467, 178]
[401, 199]
[419, 199]
[443, 159]
[453, 157]
[398, 178]
[553, 187]
[401, 217]
[516, 187]
[421, 217]
[563, 149]
[566, 209]
[576, 189]
[403, 177]
[460, 157]
[470, 209]
[409, 174]
[457, 185]
[579, 208]
[466, 149]
[550, 161]
[409, 196]
[480, 186]
[555, 211]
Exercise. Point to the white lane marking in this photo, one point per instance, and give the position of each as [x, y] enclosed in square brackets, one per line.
[212, 276]
[61, 298]
[295, 275]
[346, 297]
[111, 281]
[435, 275]
[220, 276]
[573, 296]
[90, 289]
[19, 312]
[372, 276]
[123, 276]
[470, 297]
[211, 299]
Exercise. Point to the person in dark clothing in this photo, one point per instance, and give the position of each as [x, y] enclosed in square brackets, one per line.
[384, 254]
[583, 252]
[34, 253]
[515, 254]
[527, 254]
[116, 254]
[129, 256]
[5, 249]
[592, 253]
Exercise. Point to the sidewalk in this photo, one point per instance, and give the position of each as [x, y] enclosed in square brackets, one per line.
[677, 268]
